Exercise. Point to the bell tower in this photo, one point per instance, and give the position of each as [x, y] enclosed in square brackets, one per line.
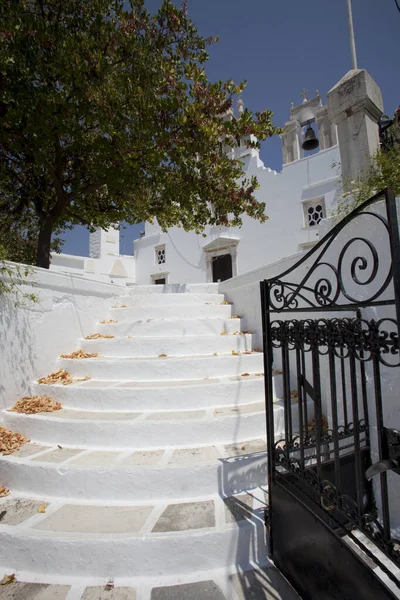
[309, 128]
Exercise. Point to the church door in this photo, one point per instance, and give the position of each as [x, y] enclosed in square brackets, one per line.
[222, 267]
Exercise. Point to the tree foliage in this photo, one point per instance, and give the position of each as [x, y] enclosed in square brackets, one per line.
[107, 115]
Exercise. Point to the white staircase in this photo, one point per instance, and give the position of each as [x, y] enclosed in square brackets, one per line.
[153, 474]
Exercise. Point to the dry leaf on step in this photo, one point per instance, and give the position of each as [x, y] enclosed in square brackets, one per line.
[35, 404]
[80, 354]
[99, 336]
[3, 491]
[109, 585]
[258, 374]
[215, 354]
[162, 356]
[235, 317]
[223, 333]
[108, 321]
[42, 508]
[235, 353]
[245, 374]
[8, 579]
[10, 441]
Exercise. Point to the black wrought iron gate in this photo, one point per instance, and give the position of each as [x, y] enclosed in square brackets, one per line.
[331, 351]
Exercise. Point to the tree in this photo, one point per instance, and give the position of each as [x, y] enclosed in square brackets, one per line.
[107, 115]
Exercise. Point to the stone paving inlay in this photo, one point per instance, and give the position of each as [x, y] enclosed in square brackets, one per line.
[96, 519]
[28, 450]
[192, 515]
[194, 456]
[101, 458]
[17, 510]
[116, 593]
[172, 415]
[58, 455]
[249, 447]
[142, 458]
[201, 590]
[33, 591]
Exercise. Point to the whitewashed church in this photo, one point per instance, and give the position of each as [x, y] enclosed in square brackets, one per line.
[296, 199]
[316, 161]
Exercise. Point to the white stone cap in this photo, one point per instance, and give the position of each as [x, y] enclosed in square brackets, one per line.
[354, 92]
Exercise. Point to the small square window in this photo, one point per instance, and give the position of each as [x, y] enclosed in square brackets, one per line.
[314, 212]
[160, 255]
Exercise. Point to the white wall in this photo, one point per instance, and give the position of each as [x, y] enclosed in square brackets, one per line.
[244, 292]
[33, 336]
[259, 244]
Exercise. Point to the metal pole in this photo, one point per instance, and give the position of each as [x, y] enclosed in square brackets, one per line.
[351, 34]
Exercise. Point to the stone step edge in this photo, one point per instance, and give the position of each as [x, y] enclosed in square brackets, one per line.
[209, 416]
[189, 338]
[137, 385]
[77, 584]
[115, 358]
[258, 495]
[46, 449]
[213, 411]
[156, 555]
[215, 520]
[94, 480]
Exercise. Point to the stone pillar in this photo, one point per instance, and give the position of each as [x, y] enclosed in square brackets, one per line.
[355, 106]
[290, 142]
[102, 242]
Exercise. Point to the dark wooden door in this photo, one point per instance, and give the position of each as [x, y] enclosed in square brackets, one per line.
[222, 267]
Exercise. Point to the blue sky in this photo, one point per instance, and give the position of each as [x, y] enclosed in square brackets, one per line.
[281, 47]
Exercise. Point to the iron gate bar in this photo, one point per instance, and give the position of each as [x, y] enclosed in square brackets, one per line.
[331, 461]
[380, 430]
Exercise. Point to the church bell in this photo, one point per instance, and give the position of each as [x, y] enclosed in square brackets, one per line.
[310, 139]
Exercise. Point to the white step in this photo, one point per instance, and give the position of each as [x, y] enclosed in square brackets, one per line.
[134, 471]
[183, 311]
[153, 327]
[128, 476]
[160, 395]
[169, 299]
[174, 288]
[163, 369]
[140, 431]
[145, 540]
[146, 346]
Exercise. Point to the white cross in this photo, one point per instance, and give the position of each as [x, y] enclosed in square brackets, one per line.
[304, 94]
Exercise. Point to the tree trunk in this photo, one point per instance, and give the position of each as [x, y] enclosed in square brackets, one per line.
[44, 244]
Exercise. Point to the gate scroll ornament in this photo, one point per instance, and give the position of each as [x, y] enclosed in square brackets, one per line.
[332, 321]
